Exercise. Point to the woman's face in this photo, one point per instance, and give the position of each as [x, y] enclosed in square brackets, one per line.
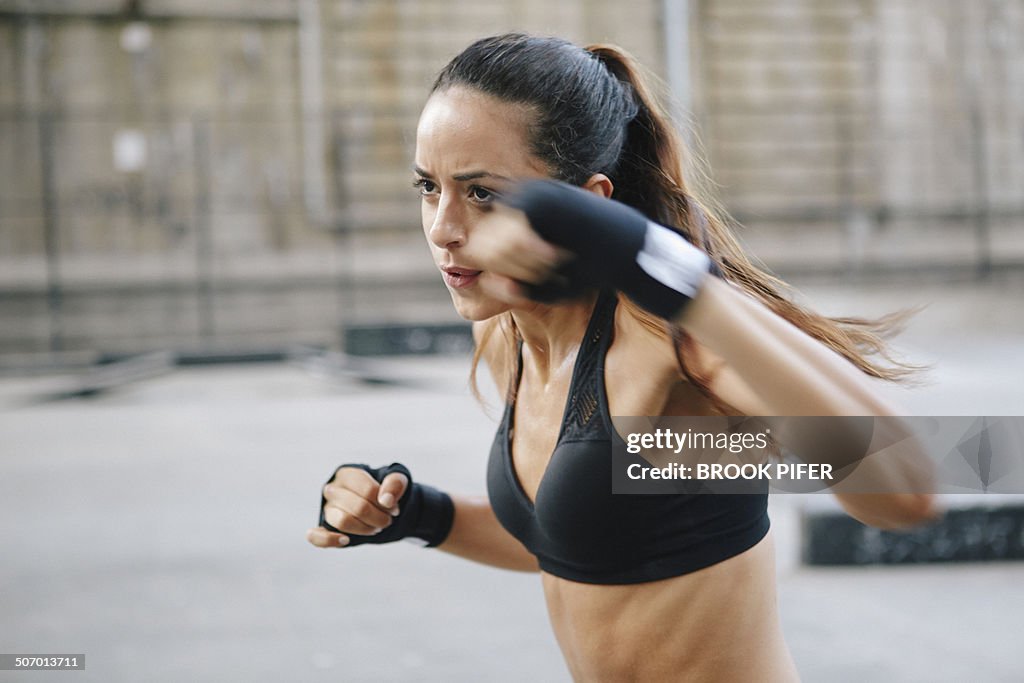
[469, 147]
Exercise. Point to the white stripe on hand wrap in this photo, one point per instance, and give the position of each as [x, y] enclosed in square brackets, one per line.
[671, 260]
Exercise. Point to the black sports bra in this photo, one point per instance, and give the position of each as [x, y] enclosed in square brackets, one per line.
[582, 532]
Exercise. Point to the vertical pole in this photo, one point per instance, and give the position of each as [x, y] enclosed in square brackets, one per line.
[982, 213]
[342, 229]
[314, 184]
[676, 36]
[201, 220]
[975, 93]
[51, 232]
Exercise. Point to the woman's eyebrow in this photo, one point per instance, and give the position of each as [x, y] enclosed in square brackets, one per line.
[463, 177]
[474, 175]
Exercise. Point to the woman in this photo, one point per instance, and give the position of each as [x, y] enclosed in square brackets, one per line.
[584, 308]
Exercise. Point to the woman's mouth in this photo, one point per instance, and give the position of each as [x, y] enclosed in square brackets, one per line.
[459, 278]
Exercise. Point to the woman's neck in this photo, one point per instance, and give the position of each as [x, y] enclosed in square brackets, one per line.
[551, 334]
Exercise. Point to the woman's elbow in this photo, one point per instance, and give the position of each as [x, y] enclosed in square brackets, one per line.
[917, 509]
[893, 512]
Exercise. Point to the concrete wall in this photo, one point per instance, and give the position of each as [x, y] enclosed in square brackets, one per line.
[870, 132]
[875, 132]
[383, 57]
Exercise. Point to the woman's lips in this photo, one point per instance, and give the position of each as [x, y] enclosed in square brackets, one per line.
[460, 278]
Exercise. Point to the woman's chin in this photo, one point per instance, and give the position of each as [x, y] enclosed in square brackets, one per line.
[477, 310]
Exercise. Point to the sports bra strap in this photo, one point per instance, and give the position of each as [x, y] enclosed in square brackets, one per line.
[582, 419]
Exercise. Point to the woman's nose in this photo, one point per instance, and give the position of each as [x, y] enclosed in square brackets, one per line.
[448, 230]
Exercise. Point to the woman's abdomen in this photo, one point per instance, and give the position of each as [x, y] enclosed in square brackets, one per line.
[718, 623]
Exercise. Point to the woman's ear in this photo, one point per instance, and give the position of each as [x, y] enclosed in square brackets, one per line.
[600, 184]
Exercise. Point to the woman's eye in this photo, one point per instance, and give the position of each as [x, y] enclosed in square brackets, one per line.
[424, 186]
[481, 194]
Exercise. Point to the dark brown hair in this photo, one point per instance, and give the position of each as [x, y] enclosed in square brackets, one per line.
[595, 112]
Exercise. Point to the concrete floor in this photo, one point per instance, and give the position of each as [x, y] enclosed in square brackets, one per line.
[159, 529]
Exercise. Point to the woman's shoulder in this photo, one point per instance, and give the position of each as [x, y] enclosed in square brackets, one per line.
[646, 347]
[644, 342]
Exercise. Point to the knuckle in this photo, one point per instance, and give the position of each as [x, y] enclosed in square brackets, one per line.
[344, 474]
[361, 482]
[364, 509]
[348, 523]
[335, 518]
[369, 489]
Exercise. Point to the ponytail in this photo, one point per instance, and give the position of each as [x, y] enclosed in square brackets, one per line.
[596, 112]
[651, 178]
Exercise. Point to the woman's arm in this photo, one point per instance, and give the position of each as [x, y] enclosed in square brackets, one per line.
[764, 349]
[791, 374]
[788, 372]
[476, 533]
[478, 536]
[364, 511]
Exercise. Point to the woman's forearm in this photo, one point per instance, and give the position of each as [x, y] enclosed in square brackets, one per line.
[793, 374]
[477, 535]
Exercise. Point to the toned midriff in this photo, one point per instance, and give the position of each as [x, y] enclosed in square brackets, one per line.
[717, 624]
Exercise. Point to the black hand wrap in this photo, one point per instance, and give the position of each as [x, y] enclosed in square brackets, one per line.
[424, 512]
[614, 245]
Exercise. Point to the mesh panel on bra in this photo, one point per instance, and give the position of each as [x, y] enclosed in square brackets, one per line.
[583, 416]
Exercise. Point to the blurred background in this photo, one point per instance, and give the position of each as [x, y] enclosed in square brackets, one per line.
[214, 288]
[193, 175]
